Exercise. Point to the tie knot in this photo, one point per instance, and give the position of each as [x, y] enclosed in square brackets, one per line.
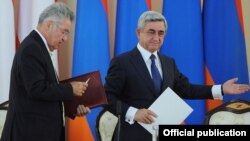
[152, 57]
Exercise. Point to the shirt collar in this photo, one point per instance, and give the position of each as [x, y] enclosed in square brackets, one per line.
[45, 42]
[145, 53]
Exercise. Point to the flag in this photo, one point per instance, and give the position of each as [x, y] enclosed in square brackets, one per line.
[128, 13]
[7, 46]
[224, 43]
[91, 52]
[184, 43]
[29, 12]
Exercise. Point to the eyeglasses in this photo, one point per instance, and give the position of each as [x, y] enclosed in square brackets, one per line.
[152, 33]
[64, 31]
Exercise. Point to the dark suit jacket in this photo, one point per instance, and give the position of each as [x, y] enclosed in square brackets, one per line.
[35, 110]
[129, 80]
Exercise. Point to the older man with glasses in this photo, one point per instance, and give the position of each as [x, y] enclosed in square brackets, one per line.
[35, 110]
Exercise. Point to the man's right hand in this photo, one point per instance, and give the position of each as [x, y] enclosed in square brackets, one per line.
[79, 87]
[82, 110]
[145, 116]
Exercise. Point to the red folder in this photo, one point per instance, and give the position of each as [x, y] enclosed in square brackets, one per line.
[93, 97]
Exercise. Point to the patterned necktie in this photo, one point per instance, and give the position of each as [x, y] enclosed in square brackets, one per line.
[155, 75]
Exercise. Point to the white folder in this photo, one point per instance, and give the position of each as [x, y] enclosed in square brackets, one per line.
[170, 109]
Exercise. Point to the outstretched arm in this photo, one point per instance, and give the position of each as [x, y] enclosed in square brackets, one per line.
[230, 87]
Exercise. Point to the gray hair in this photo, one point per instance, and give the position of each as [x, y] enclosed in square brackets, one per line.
[57, 12]
[150, 16]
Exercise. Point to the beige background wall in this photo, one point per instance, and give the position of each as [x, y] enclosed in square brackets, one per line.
[65, 53]
[246, 15]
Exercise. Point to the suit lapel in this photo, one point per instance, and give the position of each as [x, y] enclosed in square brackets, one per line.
[46, 54]
[165, 71]
[140, 66]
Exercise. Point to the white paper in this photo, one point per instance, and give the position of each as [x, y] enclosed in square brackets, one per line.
[170, 109]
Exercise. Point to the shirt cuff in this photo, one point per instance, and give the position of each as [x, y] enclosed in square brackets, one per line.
[217, 92]
[129, 117]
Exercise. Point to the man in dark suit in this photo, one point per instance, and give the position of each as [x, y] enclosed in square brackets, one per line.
[35, 110]
[138, 77]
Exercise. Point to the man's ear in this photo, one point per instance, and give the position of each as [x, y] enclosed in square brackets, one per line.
[138, 32]
[49, 24]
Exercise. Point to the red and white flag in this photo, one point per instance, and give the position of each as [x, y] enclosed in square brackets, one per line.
[7, 46]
